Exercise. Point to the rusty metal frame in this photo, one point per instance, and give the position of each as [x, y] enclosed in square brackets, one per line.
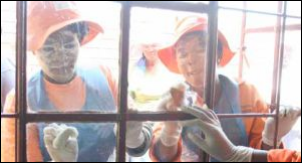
[242, 42]
[22, 117]
[9, 115]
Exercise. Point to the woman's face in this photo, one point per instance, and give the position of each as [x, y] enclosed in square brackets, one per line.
[58, 56]
[150, 51]
[191, 59]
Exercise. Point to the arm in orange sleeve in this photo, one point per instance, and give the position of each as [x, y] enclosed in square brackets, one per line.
[255, 135]
[33, 147]
[251, 102]
[282, 155]
[111, 81]
[8, 136]
[8, 131]
[156, 134]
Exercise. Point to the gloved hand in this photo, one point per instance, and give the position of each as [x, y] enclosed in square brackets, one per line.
[135, 135]
[171, 132]
[215, 142]
[61, 143]
[288, 116]
[172, 102]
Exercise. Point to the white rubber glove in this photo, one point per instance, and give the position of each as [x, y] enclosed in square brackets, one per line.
[172, 102]
[135, 135]
[215, 142]
[171, 132]
[61, 143]
[288, 116]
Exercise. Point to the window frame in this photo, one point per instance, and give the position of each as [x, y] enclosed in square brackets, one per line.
[22, 117]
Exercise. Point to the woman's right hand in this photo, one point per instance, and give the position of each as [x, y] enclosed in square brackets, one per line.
[61, 143]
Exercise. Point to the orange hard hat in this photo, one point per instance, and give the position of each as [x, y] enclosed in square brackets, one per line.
[47, 17]
[185, 26]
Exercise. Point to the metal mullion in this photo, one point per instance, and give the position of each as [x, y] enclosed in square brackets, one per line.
[292, 27]
[9, 115]
[211, 60]
[276, 60]
[258, 12]
[80, 117]
[21, 8]
[211, 54]
[122, 117]
[279, 72]
[123, 80]
[183, 116]
[170, 5]
[242, 43]
[276, 69]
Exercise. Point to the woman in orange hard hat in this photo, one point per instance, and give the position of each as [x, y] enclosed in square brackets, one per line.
[187, 56]
[56, 31]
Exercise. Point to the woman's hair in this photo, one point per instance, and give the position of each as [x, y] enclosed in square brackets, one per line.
[141, 64]
[203, 35]
[80, 28]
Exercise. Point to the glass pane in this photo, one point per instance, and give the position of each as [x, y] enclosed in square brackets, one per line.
[294, 8]
[233, 4]
[73, 59]
[291, 80]
[8, 42]
[138, 141]
[200, 2]
[260, 50]
[232, 31]
[8, 139]
[263, 6]
[167, 135]
[95, 142]
[252, 64]
[158, 55]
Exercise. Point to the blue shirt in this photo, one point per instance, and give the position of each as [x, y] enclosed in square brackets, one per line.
[7, 78]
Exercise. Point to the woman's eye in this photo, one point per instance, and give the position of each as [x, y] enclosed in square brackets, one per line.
[69, 46]
[183, 55]
[199, 51]
[48, 49]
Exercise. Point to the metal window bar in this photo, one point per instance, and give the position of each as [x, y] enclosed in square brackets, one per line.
[278, 68]
[171, 116]
[291, 27]
[9, 115]
[21, 79]
[258, 12]
[123, 80]
[22, 117]
[242, 42]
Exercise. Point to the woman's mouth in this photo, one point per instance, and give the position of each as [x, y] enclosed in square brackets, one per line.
[62, 69]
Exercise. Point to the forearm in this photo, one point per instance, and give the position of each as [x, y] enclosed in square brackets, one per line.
[266, 147]
[8, 140]
[143, 148]
[259, 156]
[164, 153]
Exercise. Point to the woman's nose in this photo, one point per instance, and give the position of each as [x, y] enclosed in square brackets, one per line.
[190, 59]
[59, 48]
